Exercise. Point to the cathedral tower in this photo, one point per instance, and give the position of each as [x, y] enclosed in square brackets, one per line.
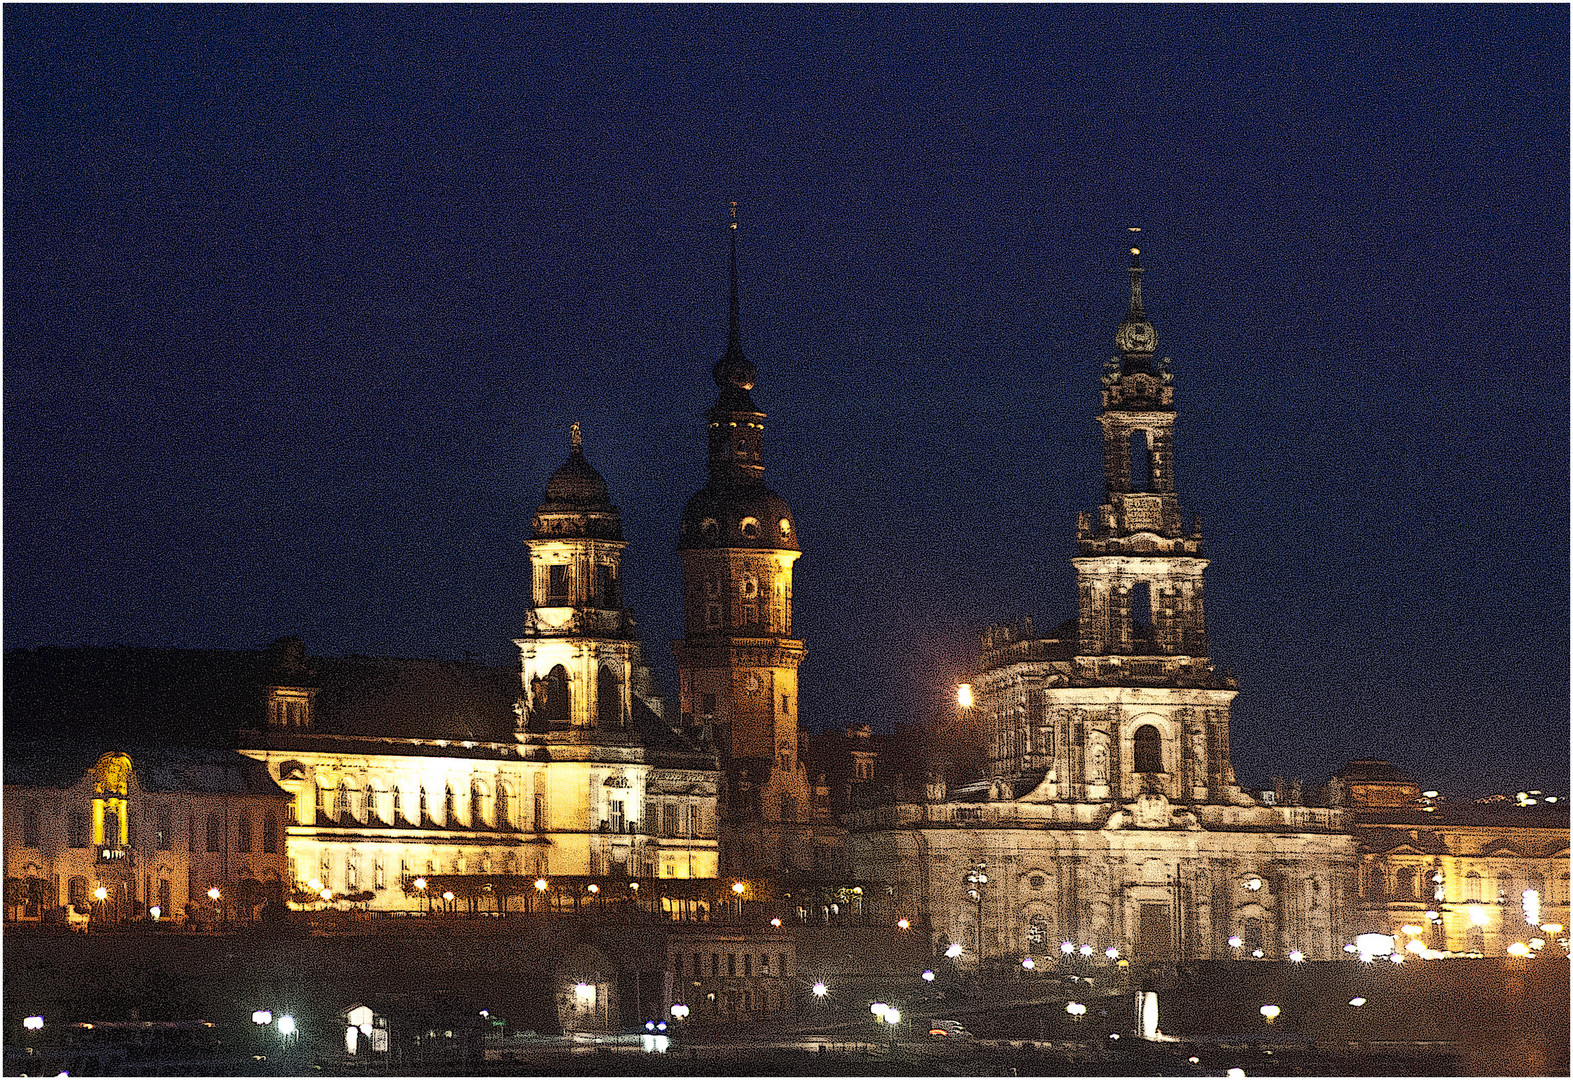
[738, 662]
[579, 651]
[1121, 700]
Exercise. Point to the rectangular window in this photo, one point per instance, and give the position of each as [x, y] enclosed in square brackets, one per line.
[731, 963]
[617, 815]
[351, 873]
[606, 586]
[76, 829]
[693, 821]
[780, 963]
[30, 829]
[557, 585]
[270, 835]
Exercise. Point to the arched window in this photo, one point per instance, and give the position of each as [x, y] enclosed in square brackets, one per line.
[341, 805]
[1148, 749]
[76, 893]
[555, 708]
[373, 811]
[477, 803]
[502, 814]
[447, 805]
[608, 699]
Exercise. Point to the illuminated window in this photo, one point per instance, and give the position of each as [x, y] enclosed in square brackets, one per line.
[398, 805]
[749, 527]
[477, 804]
[341, 804]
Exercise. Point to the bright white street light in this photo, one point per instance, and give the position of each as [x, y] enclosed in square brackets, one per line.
[928, 976]
[1271, 1012]
[33, 1023]
[954, 950]
[879, 1008]
[1027, 963]
[262, 1018]
[1075, 1008]
[820, 990]
[214, 894]
[1357, 1001]
[892, 1016]
[1085, 950]
[286, 1024]
[100, 893]
[1067, 948]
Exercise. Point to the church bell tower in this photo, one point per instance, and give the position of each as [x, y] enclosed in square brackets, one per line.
[738, 661]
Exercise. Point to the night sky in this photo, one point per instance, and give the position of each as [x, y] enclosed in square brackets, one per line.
[300, 302]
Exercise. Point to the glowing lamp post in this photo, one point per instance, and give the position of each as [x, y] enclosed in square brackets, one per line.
[1270, 1012]
[820, 990]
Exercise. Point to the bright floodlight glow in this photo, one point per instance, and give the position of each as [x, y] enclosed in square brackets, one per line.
[928, 976]
[1479, 915]
[1234, 942]
[315, 884]
[776, 923]
[903, 924]
[1374, 944]
[1111, 952]
[1416, 947]
[1085, 950]
[964, 696]
[1028, 964]
[954, 950]
[155, 911]
[33, 1023]
[327, 894]
[100, 893]
[262, 1018]
[1296, 955]
[594, 888]
[540, 883]
[1411, 929]
[1235, 1074]
[448, 896]
[286, 1024]
[1357, 1001]
[1271, 1012]
[878, 1008]
[1258, 953]
[1518, 948]
[584, 991]
[1075, 1008]
[1067, 948]
[1397, 958]
[892, 1015]
[737, 887]
[1552, 928]
[1531, 906]
[1537, 943]
[820, 990]
[213, 893]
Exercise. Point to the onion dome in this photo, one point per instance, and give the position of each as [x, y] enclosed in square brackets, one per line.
[577, 503]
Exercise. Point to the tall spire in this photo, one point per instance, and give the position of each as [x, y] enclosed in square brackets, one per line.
[734, 336]
[733, 371]
[1135, 336]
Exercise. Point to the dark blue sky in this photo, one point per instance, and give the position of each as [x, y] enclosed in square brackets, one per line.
[299, 304]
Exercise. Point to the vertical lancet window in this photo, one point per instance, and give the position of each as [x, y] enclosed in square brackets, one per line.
[1148, 749]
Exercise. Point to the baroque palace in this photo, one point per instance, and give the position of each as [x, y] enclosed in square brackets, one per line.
[1106, 814]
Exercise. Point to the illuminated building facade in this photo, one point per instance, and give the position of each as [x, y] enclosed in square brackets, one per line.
[1108, 814]
[585, 777]
[129, 834]
[738, 661]
[1440, 877]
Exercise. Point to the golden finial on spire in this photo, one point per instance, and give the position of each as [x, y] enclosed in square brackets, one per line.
[734, 214]
[1135, 229]
[575, 438]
